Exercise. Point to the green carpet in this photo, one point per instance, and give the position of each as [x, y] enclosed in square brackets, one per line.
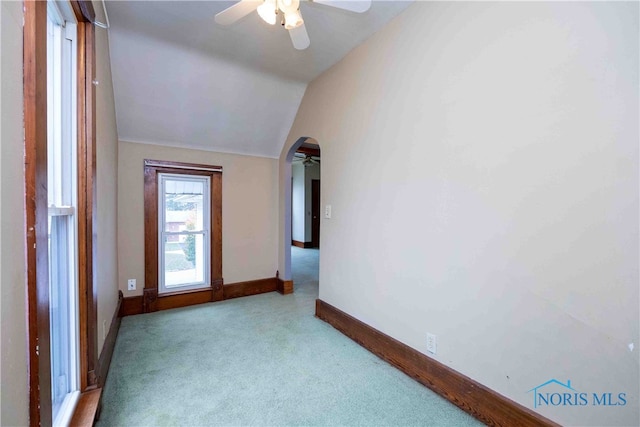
[263, 360]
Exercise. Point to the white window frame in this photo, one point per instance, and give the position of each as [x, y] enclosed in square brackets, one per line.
[62, 172]
[163, 288]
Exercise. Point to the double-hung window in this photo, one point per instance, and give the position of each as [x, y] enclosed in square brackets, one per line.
[183, 234]
[62, 209]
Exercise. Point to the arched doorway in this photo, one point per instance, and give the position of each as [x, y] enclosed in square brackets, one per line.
[305, 150]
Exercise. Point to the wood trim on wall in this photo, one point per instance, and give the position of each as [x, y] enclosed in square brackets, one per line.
[135, 305]
[303, 245]
[131, 306]
[151, 300]
[474, 398]
[87, 210]
[184, 299]
[36, 212]
[251, 287]
[284, 287]
[309, 151]
[109, 343]
[83, 10]
[88, 408]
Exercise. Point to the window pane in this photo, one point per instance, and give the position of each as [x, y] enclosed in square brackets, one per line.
[60, 310]
[184, 204]
[61, 192]
[184, 256]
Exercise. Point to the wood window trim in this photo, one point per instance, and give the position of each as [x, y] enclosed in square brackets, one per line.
[87, 210]
[152, 301]
[36, 211]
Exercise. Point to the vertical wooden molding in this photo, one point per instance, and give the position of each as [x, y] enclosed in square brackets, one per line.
[92, 212]
[82, 204]
[150, 235]
[217, 288]
[36, 215]
[216, 237]
[150, 300]
[87, 283]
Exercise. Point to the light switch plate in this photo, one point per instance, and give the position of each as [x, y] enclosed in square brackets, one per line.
[432, 343]
[327, 211]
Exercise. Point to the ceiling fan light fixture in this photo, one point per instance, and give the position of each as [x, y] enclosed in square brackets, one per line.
[268, 12]
[292, 20]
[289, 6]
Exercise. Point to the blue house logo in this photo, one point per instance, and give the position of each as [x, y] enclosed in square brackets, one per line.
[557, 393]
[545, 398]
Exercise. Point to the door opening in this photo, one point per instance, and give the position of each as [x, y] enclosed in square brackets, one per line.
[315, 213]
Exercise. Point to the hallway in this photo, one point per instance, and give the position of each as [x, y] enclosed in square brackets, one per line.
[260, 360]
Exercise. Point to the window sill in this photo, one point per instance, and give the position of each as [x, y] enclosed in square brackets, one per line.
[86, 409]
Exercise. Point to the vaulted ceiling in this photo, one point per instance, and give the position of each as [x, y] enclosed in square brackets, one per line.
[180, 79]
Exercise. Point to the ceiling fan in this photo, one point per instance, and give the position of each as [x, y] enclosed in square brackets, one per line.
[306, 159]
[288, 12]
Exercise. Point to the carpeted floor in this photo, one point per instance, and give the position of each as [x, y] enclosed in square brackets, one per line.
[263, 360]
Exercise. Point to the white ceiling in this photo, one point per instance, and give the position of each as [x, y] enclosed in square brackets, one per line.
[180, 79]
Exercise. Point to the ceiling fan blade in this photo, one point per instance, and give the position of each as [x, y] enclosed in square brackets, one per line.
[237, 11]
[358, 6]
[299, 37]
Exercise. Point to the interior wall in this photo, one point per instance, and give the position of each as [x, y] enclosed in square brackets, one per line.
[497, 148]
[106, 269]
[249, 211]
[311, 172]
[14, 398]
[298, 203]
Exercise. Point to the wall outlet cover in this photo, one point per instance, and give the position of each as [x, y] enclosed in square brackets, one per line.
[432, 343]
[327, 211]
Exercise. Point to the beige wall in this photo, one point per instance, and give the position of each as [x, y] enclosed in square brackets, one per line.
[106, 269]
[249, 211]
[13, 346]
[483, 160]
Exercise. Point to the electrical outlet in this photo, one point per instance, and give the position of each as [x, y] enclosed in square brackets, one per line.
[131, 284]
[432, 343]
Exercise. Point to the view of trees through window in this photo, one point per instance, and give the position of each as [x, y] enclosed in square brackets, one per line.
[184, 231]
[181, 256]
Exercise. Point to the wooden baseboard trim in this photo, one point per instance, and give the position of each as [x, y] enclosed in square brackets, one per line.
[284, 287]
[167, 302]
[483, 403]
[304, 245]
[104, 361]
[134, 305]
[131, 306]
[251, 287]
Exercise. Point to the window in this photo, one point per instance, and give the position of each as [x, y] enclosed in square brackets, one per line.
[183, 234]
[184, 244]
[62, 202]
[59, 143]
